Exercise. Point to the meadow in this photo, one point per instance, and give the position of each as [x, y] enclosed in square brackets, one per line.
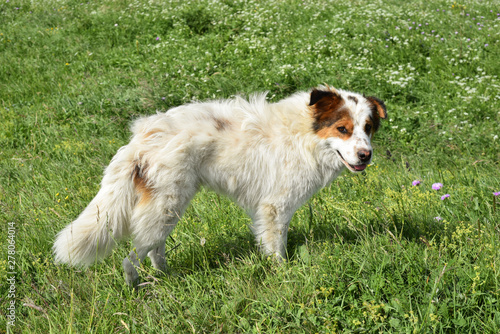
[411, 245]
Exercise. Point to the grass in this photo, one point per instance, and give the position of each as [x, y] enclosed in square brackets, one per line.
[370, 253]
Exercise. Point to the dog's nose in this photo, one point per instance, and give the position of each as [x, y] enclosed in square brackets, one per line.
[364, 155]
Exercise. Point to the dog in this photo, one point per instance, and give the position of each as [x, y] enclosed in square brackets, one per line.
[270, 158]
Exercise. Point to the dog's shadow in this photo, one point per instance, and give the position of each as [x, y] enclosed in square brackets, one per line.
[228, 250]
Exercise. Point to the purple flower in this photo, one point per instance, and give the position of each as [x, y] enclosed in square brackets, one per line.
[486, 45]
[438, 218]
[415, 183]
[157, 38]
[437, 186]
[497, 193]
[445, 196]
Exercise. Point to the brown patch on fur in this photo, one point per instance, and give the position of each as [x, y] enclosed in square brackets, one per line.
[330, 115]
[317, 95]
[333, 129]
[326, 109]
[353, 98]
[141, 184]
[221, 124]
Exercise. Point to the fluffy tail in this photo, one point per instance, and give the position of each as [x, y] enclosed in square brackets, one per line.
[104, 221]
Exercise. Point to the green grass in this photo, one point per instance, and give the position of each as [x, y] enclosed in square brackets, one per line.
[370, 253]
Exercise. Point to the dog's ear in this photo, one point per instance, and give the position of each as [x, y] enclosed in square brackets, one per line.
[379, 106]
[317, 95]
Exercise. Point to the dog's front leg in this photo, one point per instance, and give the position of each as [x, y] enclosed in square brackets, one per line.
[270, 227]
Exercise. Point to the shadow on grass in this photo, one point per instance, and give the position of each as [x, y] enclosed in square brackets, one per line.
[225, 250]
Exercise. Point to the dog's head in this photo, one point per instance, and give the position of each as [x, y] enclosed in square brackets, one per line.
[347, 121]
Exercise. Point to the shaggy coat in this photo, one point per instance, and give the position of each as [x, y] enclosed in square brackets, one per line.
[270, 158]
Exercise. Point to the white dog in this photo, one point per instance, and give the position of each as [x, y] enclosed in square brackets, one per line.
[268, 157]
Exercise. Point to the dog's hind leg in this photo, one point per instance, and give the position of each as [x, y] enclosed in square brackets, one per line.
[150, 233]
[130, 263]
[151, 223]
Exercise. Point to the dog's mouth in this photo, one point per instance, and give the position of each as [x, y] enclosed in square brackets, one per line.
[354, 168]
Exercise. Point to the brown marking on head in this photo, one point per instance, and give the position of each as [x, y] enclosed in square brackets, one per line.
[331, 119]
[379, 111]
[141, 184]
[317, 95]
[341, 128]
[353, 98]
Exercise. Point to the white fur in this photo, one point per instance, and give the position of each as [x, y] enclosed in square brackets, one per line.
[264, 156]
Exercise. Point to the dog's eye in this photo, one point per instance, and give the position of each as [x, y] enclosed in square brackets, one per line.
[368, 128]
[342, 129]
